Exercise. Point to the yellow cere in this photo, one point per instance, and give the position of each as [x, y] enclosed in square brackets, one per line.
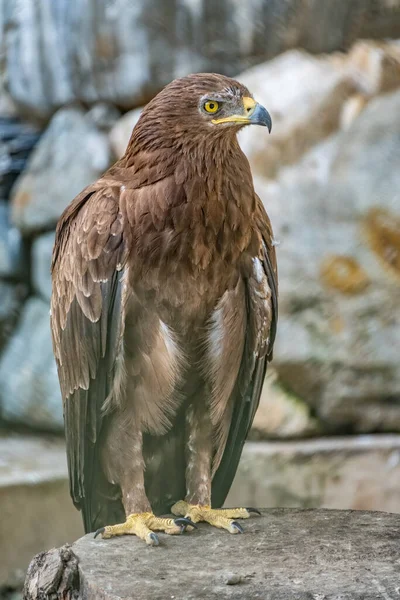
[249, 104]
[211, 106]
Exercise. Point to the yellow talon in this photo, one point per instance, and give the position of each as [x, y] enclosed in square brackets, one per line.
[223, 518]
[143, 526]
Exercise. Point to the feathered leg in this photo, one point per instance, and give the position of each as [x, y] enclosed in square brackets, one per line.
[197, 504]
[140, 520]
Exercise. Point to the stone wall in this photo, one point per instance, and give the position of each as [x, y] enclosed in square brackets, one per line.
[119, 51]
[329, 178]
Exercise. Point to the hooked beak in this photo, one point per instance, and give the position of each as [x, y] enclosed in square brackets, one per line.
[261, 116]
[253, 114]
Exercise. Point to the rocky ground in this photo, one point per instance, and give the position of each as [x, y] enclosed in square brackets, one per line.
[329, 178]
[285, 554]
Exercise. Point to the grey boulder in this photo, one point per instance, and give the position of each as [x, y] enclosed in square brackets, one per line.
[29, 389]
[13, 257]
[11, 298]
[72, 153]
[42, 249]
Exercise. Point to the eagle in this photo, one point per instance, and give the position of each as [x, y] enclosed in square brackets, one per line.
[163, 316]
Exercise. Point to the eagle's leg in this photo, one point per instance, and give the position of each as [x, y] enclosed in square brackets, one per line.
[126, 467]
[197, 504]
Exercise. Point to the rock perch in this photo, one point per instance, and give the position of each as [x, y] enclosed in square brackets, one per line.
[287, 554]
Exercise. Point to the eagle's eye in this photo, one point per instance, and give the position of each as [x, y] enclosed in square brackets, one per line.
[211, 106]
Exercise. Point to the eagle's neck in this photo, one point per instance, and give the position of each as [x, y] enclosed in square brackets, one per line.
[220, 172]
[194, 219]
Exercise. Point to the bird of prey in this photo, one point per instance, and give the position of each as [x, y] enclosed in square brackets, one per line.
[163, 316]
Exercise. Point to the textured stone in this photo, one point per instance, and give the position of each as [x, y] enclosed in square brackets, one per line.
[281, 414]
[72, 153]
[283, 555]
[336, 214]
[305, 96]
[121, 132]
[124, 52]
[352, 109]
[42, 249]
[29, 389]
[358, 472]
[35, 505]
[11, 298]
[8, 108]
[17, 140]
[103, 116]
[375, 66]
[13, 256]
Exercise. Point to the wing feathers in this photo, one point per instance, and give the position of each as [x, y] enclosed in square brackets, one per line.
[86, 319]
[261, 290]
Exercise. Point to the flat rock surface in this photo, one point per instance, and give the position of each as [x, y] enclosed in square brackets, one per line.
[285, 554]
[353, 472]
[36, 511]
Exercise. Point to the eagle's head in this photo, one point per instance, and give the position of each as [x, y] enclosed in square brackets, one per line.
[200, 106]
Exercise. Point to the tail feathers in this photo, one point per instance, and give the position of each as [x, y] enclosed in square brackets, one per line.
[104, 507]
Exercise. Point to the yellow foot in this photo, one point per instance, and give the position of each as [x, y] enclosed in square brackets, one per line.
[224, 518]
[143, 526]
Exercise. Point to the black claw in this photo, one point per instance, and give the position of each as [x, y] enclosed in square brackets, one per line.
[253, 510]
[184, 522]
[237, 526]
[101, 530]
[155, 539]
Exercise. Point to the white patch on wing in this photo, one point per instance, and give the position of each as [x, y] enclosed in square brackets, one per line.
[259, 272]
[156, 364]
[170, 343]
[261, 278]
[216, 333]
[261, 306]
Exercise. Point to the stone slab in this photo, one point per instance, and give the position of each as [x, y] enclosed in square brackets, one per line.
[35, 506]
[356, 472]
[282, 555]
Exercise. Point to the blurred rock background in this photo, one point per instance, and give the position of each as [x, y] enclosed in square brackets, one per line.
[73, 76]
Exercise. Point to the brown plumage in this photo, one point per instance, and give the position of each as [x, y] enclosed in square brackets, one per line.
[164, 308]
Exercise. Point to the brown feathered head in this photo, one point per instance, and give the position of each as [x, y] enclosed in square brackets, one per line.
[203, 104]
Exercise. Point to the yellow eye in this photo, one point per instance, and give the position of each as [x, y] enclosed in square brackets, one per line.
[211, 106]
